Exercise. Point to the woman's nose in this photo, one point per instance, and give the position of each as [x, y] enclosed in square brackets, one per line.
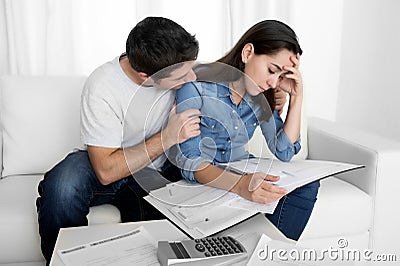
[273, 82]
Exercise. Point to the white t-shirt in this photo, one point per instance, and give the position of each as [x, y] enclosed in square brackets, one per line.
[117, 113]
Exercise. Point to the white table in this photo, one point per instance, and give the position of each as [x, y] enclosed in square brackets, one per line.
[247, 232]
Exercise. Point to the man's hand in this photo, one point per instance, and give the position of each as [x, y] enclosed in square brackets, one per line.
[276, 99]
[279, 100]
[181, 127]
[257, 187]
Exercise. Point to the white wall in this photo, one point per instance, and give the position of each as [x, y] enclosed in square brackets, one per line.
[3, 42]
[369, 88]
[349, 65]
[207, 19]
[318, 25]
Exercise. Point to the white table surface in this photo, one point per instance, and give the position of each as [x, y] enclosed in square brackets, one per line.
[247, 232]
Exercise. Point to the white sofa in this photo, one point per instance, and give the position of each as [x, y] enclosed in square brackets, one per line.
[40, 124]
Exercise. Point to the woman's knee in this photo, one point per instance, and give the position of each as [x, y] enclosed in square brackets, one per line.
[307, 192]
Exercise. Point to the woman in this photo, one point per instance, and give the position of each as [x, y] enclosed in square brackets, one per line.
[231, 103]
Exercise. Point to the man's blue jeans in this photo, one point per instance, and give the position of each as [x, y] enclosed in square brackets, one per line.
[294, 209]
[69, 189]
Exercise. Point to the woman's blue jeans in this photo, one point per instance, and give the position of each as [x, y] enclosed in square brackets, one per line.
[69, 189]
[293, 210]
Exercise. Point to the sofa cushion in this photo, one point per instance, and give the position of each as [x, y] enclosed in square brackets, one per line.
[341, 209]
[104, 214]
[18, 220]
[40, 119]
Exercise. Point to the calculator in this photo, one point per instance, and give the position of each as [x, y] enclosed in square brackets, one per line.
[221, 250]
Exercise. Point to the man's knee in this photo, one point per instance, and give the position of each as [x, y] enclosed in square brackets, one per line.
[68, 180]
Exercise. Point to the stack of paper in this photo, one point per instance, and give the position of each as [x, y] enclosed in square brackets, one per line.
[137, 247]
[203, 210]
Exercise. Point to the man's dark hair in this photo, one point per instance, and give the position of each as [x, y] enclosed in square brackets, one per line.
[157, 42]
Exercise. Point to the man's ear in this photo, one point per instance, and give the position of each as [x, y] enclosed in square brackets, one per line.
[146, 79]
[143, 76]
[247, 52]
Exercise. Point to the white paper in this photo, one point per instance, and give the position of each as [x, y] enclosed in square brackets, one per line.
[136, 247]
[183, 196]
[182, 192]
[244, 204]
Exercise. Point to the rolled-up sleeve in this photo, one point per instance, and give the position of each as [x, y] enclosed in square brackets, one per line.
[277, 140]
[189, 156]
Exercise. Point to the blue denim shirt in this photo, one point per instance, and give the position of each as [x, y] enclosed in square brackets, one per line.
[226, 128]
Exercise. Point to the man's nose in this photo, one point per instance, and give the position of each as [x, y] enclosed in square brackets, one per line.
[190, 77]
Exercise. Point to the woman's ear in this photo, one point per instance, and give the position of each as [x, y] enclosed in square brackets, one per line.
[247, 52]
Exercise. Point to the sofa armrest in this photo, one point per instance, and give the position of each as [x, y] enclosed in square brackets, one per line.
[1, 143]
[1, 150]
[380, 178]
[330, 141]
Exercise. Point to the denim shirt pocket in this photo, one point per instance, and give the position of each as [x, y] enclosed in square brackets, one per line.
[251, 126]
[211, 126]
[212, 137]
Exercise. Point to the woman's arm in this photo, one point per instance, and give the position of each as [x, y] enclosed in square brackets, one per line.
[277, 140]
[283, 138]
[292, 83]
[189, 156]
[293, 118]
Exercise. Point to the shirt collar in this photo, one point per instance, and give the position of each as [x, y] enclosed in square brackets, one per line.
[224, 91]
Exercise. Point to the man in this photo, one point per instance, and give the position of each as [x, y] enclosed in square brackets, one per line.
[100, 174]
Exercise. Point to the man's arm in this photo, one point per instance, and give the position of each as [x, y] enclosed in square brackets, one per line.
[112, 164]
[280, 100]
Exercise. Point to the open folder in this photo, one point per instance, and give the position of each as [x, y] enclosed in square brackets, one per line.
[292, 174]
[201, 210]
